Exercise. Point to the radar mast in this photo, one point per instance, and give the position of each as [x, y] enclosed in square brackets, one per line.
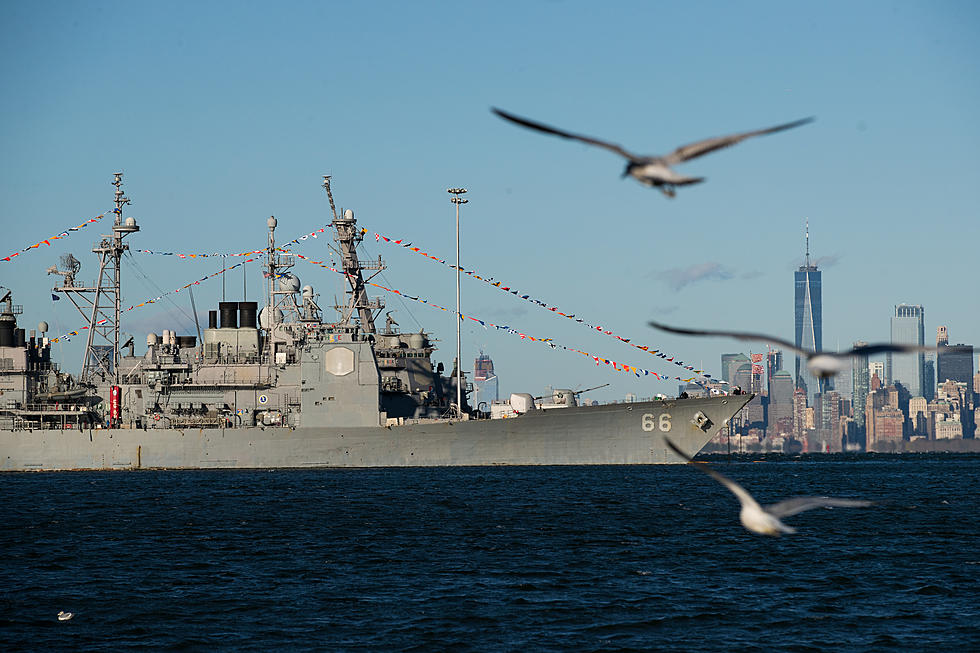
[100, 304]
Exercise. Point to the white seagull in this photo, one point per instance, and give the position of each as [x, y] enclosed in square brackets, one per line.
[64, 616]
[766, 519]
[822, 364]
[655, 171]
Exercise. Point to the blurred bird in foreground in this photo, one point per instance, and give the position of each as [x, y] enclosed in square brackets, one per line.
[766, 519]
[655, 171]
[822, 364]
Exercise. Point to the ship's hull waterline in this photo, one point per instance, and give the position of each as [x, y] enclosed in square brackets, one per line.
[618, 434]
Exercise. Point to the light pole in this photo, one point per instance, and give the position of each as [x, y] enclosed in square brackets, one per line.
[457, 200]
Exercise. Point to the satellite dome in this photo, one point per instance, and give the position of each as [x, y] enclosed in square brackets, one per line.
[42, 326]
[264, 321]
[289, 282]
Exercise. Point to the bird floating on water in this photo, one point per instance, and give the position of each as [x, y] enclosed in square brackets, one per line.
[655, 171]
[64, 616]
[822, 364]
[766, 519]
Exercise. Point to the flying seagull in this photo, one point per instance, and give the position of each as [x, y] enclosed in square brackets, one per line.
[822, 364]
[655, 171]
[766, 519]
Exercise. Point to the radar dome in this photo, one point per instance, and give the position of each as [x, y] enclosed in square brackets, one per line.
[264, 318]
[42, 327]
[289, 282]
[272, 222]
[307, 291]
[130, 221]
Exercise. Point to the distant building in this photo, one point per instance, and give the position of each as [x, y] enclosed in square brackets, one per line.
[799, 413]
[843, 382]
[860, 385]
[828, 424]
[808, 319]
[929, 378]
[885, 422]
[774, 363]
[781, 400]
[749, 381]
[877, 368]
[954, 364]
[907, 327]
[853, 436]
[730, 363]
[949, 429]
[889, 424]
[954, 402]
[918, 416]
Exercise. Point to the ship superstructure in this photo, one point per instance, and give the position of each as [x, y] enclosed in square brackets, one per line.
[282, 387]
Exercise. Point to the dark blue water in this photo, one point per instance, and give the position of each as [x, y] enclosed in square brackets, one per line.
[553, 558]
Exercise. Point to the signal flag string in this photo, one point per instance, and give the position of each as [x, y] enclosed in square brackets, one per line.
[554, 309]
[63, 234]
[67, 336]
[616, 365]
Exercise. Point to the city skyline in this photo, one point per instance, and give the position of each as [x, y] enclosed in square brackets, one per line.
[214, 135]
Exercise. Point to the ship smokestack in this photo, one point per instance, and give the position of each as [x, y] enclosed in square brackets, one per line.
[229, 314]
[247, 311]
[212, 319]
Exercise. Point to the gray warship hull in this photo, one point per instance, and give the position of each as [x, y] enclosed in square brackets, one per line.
[618, 434]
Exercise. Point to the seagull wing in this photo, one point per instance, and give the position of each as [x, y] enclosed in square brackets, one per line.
[685, 152]
[801, 504]
[743, 496]
[730, 334]
[612, 147]
[882, 348]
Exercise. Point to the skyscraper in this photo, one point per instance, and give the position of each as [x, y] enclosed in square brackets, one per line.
[781, 403]
[774, 363]
[908, 327]
[809, 319]
[955, 365]
[860, 385]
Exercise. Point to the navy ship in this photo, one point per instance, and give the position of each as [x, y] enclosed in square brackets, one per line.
[283, 388]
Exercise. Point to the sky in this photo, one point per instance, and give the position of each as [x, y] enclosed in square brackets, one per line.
[221, 114]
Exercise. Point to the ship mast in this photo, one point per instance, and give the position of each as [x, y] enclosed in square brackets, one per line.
[101, 362]
[348, 237]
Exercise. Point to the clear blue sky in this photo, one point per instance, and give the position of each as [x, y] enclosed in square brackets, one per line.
[223, 113]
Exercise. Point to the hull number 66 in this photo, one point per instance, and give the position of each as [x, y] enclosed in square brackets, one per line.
[649, 422]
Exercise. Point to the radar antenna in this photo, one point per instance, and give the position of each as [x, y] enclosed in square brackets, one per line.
[70, 267]
[326, 184]
[100, 304]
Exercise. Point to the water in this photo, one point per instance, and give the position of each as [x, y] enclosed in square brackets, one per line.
[547, 558]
